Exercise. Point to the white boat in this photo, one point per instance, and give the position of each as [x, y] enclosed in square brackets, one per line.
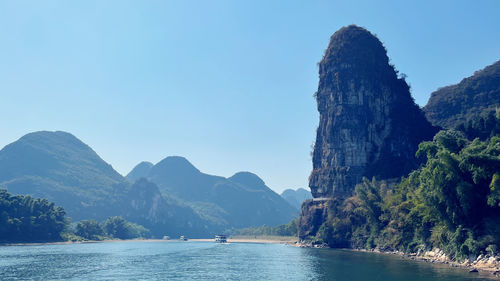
[221, 238]
[183, 238]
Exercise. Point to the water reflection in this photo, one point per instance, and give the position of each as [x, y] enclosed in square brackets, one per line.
[210, 261]
[332, 264]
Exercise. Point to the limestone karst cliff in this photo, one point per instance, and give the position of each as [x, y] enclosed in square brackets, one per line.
[369, 124]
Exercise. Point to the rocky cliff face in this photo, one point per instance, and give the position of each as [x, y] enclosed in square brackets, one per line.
[369, 124]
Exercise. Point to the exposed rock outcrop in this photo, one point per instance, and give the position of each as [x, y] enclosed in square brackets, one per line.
[369, 124]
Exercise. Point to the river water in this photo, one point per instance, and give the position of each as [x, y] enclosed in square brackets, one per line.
[211, 261]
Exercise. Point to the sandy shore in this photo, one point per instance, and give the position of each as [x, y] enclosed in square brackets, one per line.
[285, 240]
[248, 240]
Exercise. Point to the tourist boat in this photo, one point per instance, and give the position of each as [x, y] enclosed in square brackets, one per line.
[183, 238]
[221, 238]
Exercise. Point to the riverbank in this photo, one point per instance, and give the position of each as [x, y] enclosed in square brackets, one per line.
[486, 265]
[255, 239]
[490, 266]
[75, 242]
[237, 239]
[482, 263]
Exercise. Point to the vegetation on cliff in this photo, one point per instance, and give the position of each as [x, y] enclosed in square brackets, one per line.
[369, 123]
[453, 105]
[452, 202]
[483, 126]
[289, 229]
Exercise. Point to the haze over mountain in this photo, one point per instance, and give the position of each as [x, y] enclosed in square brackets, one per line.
[473, 96]
[139, 171]
[61, 168]
[296, 197]
[66, 171]
[240, 201]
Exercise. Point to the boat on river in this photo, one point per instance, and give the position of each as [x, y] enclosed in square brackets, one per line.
[221, 238]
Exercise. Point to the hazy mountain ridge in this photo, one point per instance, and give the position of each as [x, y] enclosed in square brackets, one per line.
[61, 168]
[238, 201]
[139, 171]
[296, 197]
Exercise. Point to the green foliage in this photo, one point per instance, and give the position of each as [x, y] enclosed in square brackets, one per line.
[289, 229]
[118, 227]
[485, 126]
[451, 202]
[26, 219]
[90, 229]
[479, 94]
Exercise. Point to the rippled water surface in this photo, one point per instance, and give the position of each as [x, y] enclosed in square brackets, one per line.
[210, 261]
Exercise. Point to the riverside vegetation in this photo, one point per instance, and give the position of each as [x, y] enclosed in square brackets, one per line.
[452, 203]
[170, 198]
[449, 200]
[28, 219]
[390, 176]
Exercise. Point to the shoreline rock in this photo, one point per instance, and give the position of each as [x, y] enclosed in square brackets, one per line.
[486, 264]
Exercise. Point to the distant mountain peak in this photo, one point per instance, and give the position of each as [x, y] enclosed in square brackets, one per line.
[248, 179]
[52, 138]
[141, 170]
[296, 197]
[177, 163]
[58, 166]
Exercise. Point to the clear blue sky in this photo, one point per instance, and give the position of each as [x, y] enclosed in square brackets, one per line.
[227, 84]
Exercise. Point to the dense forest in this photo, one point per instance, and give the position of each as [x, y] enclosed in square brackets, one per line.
[453, 105]
[289, 229]
[112, 228]
[26, 219]
[452, 202]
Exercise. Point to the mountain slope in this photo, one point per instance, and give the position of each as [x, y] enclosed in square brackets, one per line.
[139, 171]
[478, 94]
[143, 203]
[239, 201]
[61, 168]
[296, 197]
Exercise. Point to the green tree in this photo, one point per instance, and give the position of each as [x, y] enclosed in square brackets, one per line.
[27, 219]
[118, 227]
[90, 229]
